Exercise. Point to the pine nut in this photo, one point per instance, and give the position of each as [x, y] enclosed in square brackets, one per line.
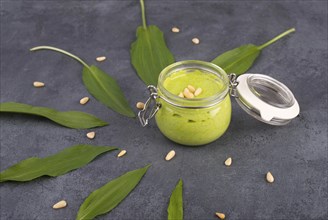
[175, 30]
[59, 205]
[198, 91]
[140, 105]
[91, 135]
[100, 59]
[38, 84]
[220, 215]
[269, 177]
[181, 95]
[195, 40]
[187, 93]
[170, 155]
[84, 100]
[191, 88]
[228, 162]
[122, 153]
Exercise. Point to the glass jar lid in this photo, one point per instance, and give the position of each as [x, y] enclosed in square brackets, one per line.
[266, 99]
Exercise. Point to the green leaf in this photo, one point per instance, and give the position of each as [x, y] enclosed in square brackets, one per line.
[70, 119]
[106, 90]
[110, 195]
[240, 59]
[175, 208]
[58, 164]
[99, 84]
[149, 53]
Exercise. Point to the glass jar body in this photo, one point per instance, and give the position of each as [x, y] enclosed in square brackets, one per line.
[194, 127]
[198, 120]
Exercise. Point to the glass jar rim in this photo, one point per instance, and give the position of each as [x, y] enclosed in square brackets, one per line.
[195, 102]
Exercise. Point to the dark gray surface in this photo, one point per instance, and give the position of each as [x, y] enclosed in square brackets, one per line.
[296, 154]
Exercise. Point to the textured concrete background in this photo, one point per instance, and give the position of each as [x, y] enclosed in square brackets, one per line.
[296, 154]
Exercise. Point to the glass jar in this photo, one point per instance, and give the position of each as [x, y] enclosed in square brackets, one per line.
[199, 120]
[195, 121]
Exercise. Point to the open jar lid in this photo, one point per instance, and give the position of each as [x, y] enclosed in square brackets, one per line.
[266, 99]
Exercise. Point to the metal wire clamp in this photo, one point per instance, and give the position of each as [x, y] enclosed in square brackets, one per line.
[233, 83]
[151, 106]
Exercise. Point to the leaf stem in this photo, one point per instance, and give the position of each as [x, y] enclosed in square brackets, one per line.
[276, 38]
[60, 51]
[143, 16]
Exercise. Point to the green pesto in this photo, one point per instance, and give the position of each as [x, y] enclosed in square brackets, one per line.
[194, 126]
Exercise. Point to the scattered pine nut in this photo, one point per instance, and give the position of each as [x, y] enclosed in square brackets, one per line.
[91, 135]
[191, 88]
[181, 95]
[187, 93]
[100, 59]
[37, 84]
[195, 40]
[220, 215]
[140, 105]
[175, 30]
[269, 177]
[170, 155]
[59, 205]
[122, 153]
[84, 100]
[198, 91]
[228, 162]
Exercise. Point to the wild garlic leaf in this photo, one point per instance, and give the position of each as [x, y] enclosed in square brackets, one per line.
[175, 208]
[58, 164]
[149, 53]
[240, 59]
[107, 197]
[70, 119]
[99, 84]
[106, 90]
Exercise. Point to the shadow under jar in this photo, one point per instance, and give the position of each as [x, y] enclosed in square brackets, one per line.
[204, 117]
